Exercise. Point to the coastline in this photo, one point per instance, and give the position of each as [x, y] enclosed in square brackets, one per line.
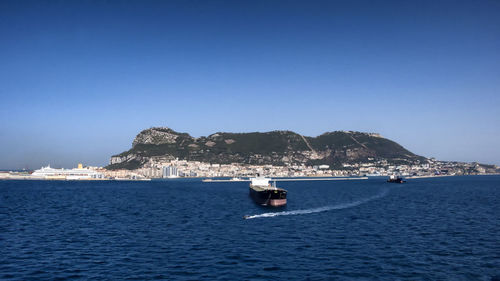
[293, 179]
[224, 179]
[443, 176]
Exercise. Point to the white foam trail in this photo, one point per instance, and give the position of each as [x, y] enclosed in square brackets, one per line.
[320, 209]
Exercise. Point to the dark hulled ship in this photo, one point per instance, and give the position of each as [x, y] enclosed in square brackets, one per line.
[263, 193]
[395, 179]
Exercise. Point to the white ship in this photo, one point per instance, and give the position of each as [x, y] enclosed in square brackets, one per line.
[80, 173]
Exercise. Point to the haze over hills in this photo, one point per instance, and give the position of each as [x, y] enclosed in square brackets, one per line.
[275, 147]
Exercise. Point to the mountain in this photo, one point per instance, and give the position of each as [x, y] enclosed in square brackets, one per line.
[276, 148]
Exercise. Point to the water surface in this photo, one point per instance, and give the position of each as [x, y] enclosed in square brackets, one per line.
[426, 229]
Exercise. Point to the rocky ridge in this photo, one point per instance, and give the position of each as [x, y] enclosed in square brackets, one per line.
[275, 148]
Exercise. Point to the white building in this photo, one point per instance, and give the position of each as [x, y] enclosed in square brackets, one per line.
[170, 172]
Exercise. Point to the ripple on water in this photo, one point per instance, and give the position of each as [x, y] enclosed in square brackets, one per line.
[427, 229]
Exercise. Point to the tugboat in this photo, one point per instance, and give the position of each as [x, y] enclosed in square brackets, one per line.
[265, 194]
[395, 179]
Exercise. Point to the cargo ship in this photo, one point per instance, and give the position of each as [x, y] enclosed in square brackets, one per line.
[265, 194]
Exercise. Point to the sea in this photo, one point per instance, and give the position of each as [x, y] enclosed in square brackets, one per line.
[445, 228]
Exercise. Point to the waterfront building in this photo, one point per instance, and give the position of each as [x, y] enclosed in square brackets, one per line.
[170, 172]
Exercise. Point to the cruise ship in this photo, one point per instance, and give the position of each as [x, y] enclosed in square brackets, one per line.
[80, 173]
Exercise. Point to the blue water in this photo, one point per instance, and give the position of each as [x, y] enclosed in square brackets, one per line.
[426, 229]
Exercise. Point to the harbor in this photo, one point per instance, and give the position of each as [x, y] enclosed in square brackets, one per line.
[80, 173]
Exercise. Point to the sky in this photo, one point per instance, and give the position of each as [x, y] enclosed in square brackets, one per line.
[80, 79]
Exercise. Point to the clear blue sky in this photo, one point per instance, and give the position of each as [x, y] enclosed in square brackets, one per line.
[79, 79]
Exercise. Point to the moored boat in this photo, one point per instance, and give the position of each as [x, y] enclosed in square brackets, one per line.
[265, 194]
[80, 173]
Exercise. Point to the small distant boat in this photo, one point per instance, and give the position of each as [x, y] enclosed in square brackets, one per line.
[395, 179]
[236, 179]
[263, 193]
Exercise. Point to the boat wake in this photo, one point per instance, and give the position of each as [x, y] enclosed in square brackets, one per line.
[320, 209]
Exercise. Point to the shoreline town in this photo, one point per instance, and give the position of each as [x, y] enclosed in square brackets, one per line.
[194, 169]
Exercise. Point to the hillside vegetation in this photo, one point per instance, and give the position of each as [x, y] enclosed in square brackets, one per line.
[276, 148]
